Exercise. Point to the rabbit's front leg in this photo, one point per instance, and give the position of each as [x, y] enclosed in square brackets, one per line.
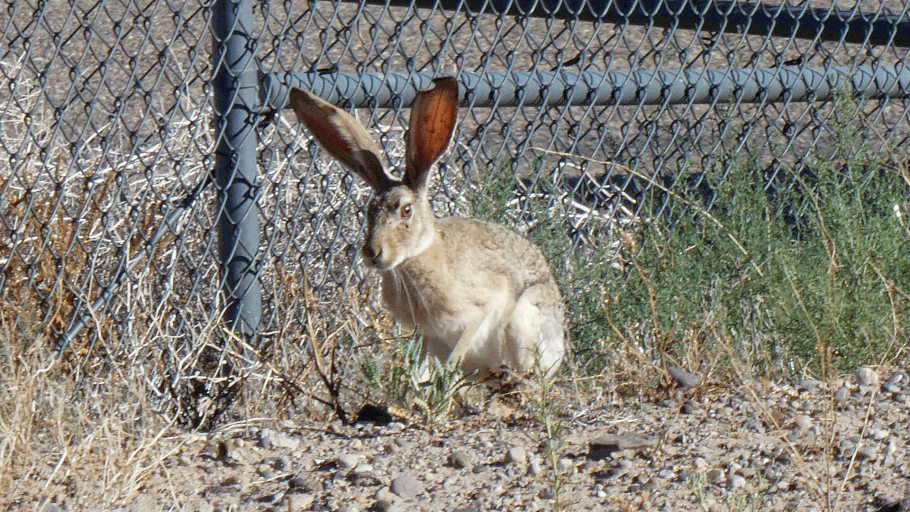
[473, 336]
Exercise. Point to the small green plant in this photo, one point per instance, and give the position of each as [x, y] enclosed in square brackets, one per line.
[552, 442]
[807, 273]
[697, 482]
[426, 388]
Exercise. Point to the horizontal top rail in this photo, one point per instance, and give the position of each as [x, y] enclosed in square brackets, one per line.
[851, 26]
[644, 87]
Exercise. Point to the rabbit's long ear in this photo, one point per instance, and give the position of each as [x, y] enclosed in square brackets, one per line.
[342, 136]
[430, 129]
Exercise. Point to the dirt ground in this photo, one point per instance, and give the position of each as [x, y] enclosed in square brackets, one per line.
[837, 445]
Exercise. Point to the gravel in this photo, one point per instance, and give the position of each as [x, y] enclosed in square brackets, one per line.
[771, 446]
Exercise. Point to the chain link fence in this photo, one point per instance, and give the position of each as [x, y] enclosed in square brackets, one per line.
[109, 245]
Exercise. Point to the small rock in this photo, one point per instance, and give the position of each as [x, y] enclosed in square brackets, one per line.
[516, 455]
[270, 440]
[803, 422]
[810, 385]
[866, 377]
[300, 501]
[737, 482]
[346, 461]
[887, 504]
[384, 494]
[271, 498]
[404, 443]
[891, 388]
[715, 475]
[898, 378]
[406, 486]
[842, 394]
[878, 434]
[474, 506]
[866, 452]
[605, 445]
[480, 468]
[689, 407]
[363, 469]
[683, 378]
[51, 507]
[460, 460]
[301, 482]
[382, 506]
[534, 468]
[617, 472]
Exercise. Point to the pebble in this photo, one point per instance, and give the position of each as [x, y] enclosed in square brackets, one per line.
[715, 475]
[737, 482]
[460, 460]
[382, 506]
[866, 377]
[406, 486]
[810, 385]
[878, 434]
[606, 445]
[272, 440]
[363, 469]
[516, 455]
[404, 443]
[280, 463]
[866, 452]
[534, 468]
[842, 394]
[897, 380]
[474, 506]
[684, 378]
[346, 461]
[891, 388]
[300, 501]
[689, 407]
[803, 422]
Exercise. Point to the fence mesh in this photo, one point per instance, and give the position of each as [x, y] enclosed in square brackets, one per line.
[107, 218]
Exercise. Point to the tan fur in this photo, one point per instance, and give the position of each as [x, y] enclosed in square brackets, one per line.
[481, 294]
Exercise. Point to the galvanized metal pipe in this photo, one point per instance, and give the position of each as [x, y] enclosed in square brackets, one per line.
[529, 89]
[236, 97]
[734, 17]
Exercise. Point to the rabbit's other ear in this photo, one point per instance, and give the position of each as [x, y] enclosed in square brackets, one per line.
[430, 129]
[342, 136]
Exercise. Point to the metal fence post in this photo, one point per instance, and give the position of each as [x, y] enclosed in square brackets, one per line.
[236, 97]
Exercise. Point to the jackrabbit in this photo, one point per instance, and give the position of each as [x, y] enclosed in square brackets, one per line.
[482, 295]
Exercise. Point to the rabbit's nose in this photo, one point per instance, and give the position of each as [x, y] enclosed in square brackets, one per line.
[371, 254]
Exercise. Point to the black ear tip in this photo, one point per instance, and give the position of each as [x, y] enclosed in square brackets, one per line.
[446, 82]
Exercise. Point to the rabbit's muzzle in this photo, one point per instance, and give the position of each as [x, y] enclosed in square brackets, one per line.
[373, 255]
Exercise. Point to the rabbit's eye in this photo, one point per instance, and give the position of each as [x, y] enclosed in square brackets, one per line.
[405, 211]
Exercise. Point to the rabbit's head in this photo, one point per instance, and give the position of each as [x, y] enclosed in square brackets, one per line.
[400, 221]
